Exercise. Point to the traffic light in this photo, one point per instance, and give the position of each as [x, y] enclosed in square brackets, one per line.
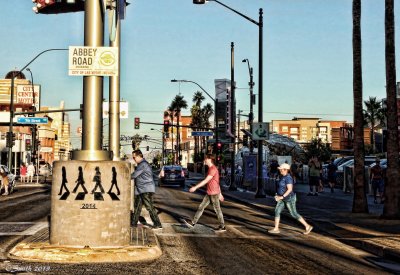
[166, 126]
[8, 139]
[218, 151]
[28, 145]
[147, 148]
[245, 140]
[137, 123]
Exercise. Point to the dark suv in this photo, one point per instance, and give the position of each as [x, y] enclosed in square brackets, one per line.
[172, 175]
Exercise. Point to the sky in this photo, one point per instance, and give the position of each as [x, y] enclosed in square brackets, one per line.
[307, 55]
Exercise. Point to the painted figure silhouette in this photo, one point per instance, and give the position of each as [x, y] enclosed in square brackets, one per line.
[114, 181]
[64, 181]
[80, 181]
[97, 179]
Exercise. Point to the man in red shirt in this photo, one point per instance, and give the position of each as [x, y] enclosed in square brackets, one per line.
[213, 194]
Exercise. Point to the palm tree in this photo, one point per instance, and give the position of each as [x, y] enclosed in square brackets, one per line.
[207, 111]
[177, 104]
[391, 209]
[373, 117]
[168, 114]
[196, 122]
[360, 204]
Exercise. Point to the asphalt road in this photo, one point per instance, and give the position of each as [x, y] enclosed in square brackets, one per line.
[245, 248]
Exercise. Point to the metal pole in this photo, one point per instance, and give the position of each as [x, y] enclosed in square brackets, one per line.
[35, 160]
[260, 186]
[251, 115]
[114, 120]
[232, 187]
[238, 128]
[92, 90]
[163, 149]
[216, 127]
[10, 128]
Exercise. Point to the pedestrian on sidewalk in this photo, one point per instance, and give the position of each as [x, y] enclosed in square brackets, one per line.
[145, 188]
[213, 196]
[331, 171]
[31, 171]
[4, 181]
[376, 178]
[287, 197]
[22, 171]
[314, 175]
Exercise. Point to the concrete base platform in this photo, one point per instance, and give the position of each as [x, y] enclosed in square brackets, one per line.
[37, 248]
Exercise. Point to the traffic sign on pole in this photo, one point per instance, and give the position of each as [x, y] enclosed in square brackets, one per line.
[33, 120]
[202, 134]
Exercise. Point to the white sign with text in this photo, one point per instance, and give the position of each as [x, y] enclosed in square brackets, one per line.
[93, 61]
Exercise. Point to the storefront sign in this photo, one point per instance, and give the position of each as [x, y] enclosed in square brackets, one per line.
[25, 95]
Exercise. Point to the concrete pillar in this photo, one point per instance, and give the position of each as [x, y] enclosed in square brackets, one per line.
[86, 207]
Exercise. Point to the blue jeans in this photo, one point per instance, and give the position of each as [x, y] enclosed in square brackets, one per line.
[290, 205]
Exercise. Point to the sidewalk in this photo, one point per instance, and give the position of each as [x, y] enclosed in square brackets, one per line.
[330, 214]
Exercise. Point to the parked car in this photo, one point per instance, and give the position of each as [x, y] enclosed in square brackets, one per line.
[367, 162]
[382, 163]
[185, 172]
[11, 179]
[172, 175]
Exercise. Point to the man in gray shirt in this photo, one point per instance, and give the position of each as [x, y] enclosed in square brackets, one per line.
[144, 190]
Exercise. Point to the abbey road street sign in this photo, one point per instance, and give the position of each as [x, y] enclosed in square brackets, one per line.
[33, 120]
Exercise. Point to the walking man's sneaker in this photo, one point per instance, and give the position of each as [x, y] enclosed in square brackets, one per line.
[220, 229]
[189, 224]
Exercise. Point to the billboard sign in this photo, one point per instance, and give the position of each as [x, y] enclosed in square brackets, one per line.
[25, 95]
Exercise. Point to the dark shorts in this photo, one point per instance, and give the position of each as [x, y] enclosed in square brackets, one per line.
[377, 184]
[332, 179]
[314, 181]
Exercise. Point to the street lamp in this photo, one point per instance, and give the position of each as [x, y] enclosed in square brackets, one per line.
[162, 146]
[34, 143]
[215, 107]
[16, 74]
[252, 100]
[260, 189]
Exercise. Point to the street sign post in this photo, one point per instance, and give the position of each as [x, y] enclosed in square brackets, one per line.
[33, 120]
[202, 134]
[260, 131]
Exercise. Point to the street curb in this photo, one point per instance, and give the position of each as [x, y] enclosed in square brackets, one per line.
[21, 195]
[36, 249]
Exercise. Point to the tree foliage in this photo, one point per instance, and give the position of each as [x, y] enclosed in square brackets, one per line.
[318, 148]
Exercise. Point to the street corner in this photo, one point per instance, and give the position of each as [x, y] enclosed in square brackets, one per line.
[46, 253]
[143, 247]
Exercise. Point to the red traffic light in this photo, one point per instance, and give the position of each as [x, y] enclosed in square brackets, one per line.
[219, 145]
[137, 122]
